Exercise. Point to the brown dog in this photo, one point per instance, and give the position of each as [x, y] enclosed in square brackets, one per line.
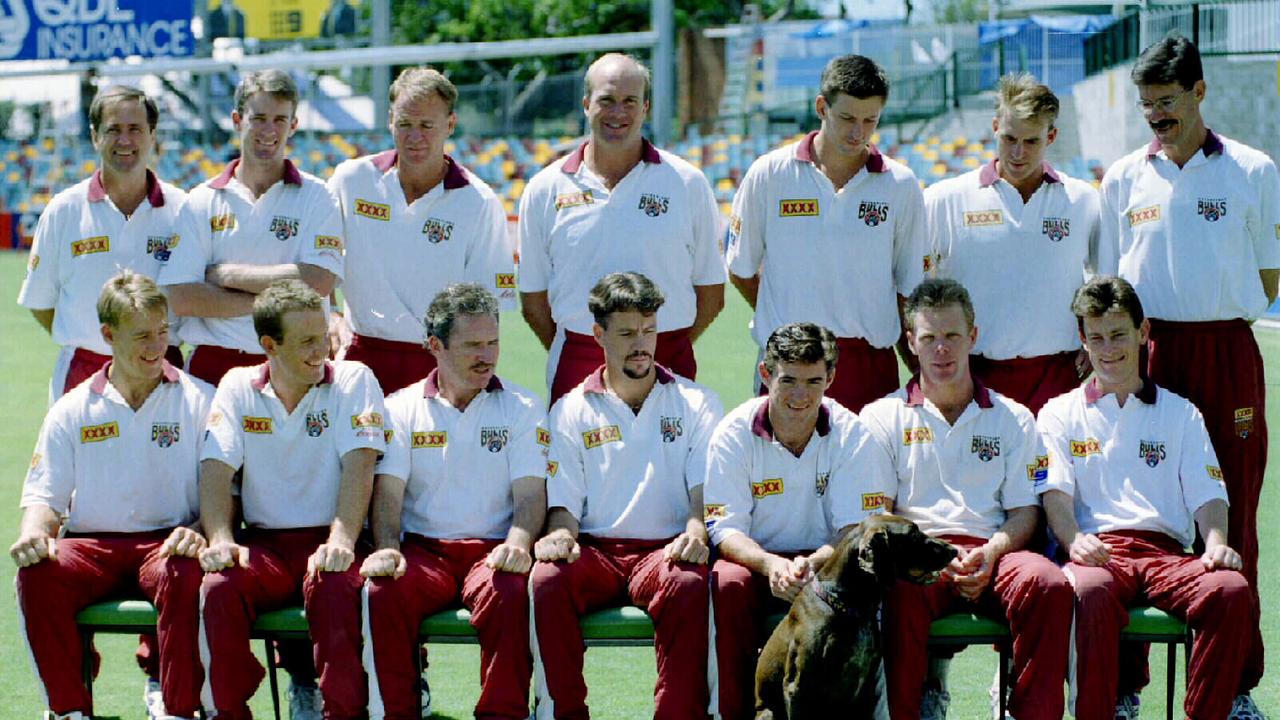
[824, 659]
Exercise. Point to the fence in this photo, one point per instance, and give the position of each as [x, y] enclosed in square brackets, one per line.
[1224, 28]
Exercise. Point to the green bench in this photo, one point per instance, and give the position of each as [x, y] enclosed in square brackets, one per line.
[616, 627]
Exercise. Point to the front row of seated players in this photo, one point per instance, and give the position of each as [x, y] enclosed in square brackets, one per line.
[1124, 484]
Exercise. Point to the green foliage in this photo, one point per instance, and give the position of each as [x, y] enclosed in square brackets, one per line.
[958, 11]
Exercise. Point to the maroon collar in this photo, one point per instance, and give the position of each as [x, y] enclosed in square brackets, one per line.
[431, 387]
[264, 376]
[762, 426]
[805, 152]
[454, 176]
[98, 384]
[989, 174]
[595, 381]
[98, 191]
[1212, 144]
[1147, 394]
[648, 153]
[291, 174]
[915, 394]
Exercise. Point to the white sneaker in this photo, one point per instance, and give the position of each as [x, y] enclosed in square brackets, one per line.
[426, 695]
[153, 699]
[1245, 709]
[305, 703]
[1127, 706]
[73, 715]
[934, 703]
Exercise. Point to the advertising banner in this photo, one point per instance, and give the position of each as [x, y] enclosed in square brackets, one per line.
[94, 30]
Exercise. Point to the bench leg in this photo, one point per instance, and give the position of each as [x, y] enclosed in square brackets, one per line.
[1171, 669]
[1006, 662]
[271, 676]
[86, 660]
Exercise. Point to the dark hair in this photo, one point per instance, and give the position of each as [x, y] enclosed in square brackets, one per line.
[855, 76]
[121, 93]
[1173, 59]
[801, 343]
[1102, 295]
[456, 300]
[282, 297]
[936, 293]
[622, 292]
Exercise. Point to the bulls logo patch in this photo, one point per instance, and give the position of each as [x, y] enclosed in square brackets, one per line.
[1056, 229]
[1211, 209]
[1038, 471]
[671, 427]
[373, 210]
[98, 433]
[160, 246]
[986, 447]
[1085, 448]
[317, 422]
[1144, 215]
[874, 501]
[735, 231]
[1244, 422]
[494, 438]
[257, 425]
[765, 488]
[92, 245]
[914, 435]
[283, 227]
[873, 213]
[437, 230]
[983, 218]
[219, 223]
[600, 436]
[165, 434]
[653, 205]
[805, 207]
[1151, 452]
[820, 482]
[423, 440]
[573, 199]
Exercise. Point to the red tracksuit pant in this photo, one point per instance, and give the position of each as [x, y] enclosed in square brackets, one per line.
[211, 362]
[1027, 590]
[84, 363]
[395, 364]
[231, 599]
[611, 571]
[1218, 367]
[92, 567]
[581, 355]
[1218, 605]
[742, 601]
[1031, 381]
[439, 571]
[864, 374]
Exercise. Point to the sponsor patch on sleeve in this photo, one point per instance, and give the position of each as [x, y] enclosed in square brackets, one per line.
[373, 210]
[1038, 471]
[573, 199]
[257, 425]
[225, 221]
[1144, 215]
[1085, 448]
[1214, 472]
[874, 501]
[765, 488]
[712, 512]
[388, 435]
[34, 262]
[600, 436]
[504, 281]
[329, 242]
[432, 439]
[35, 460]
[983, 218]
[914, 435]
[89, 246]
[544, 437]
[798, 207]
[98, 433]
[553, 467]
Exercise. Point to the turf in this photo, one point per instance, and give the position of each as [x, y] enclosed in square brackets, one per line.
[620, 679]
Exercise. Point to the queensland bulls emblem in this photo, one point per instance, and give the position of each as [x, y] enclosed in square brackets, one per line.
[653, 205]
[1151, 452]
[165, 434]
[1244, 421]
[873, 213]
[160, 246]
[820, 482]
[317, 422]
[672, 428]
[1211, 209]
[1056, 228]
[437, 230]
[494, 438]
[985, 447]
[284, 227]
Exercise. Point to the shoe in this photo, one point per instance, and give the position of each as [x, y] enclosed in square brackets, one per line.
[153, 700]
[73, 715]
[426, 695]
[1245, 709]
[1127, 706]
[305, 703]
[934, 703]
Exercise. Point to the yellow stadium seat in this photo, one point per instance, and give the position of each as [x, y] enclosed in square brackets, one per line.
[316, 156]
[14, 176]
[971, 162]
[947, 148]
[975, 147]
[726, 208]
[11, 156]
[934, 140]
[988, 155]
[930, 155]
[875, 138]
[939, 169]
[724, 184]
[508, 169]
[960, 140]
[919, 148]
[87, 167]
[510, 206]
[49, 144]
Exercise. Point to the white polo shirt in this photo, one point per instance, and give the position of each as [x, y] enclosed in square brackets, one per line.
[459, 467]
[1191, 240]
[1146, 466]
[292, 462]
[839, 259]
[785, 503]
[114, 469]
[1021, 262]
[624, 474]
[82, 240]
[660, 220]
[958, 479]
[294, 221]
[399, 256]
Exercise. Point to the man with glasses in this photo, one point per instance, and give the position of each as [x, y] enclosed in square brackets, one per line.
[1194, 221]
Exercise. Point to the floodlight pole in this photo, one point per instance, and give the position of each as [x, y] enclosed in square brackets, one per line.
[662, 20]
[380, 36]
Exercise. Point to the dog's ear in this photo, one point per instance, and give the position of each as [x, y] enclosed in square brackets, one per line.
[875, 557]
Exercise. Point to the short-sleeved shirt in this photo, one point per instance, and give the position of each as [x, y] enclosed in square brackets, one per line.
[836, 258]
[660, 220]
[294, 221]
[292, 462]
[111, 468]
[1146, 466]
[82, 240]
[399, 256]
[756, 486]
[959, 479]
[460, 467]
[1022, 263]
[1192, 240]
[624, 474]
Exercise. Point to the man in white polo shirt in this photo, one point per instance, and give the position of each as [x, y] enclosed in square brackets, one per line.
[624, 488]
[787, 475]
[1194, 219]
[966, 460]
[415, 222]
[122, 216]
[463, 479]
[110, 502]
[616, 204]
[305, 434]
[1020, 236]
[829, 230]
[258, 221]
[1132, 474]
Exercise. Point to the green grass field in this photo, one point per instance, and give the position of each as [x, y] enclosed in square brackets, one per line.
[620, 680]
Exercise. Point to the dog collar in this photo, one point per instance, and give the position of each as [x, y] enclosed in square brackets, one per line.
[821, 589]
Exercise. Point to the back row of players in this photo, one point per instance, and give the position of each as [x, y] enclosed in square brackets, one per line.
[1020, 235]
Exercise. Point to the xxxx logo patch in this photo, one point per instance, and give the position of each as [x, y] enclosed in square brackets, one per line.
[600, 436]
[504, 281]
[257, 425]
[92, 245]
[1085, 448]
[372, 210]
[914, 435]
[983, 218]
[219, 223]
[1038, 471]
[874, 501]
[98, 433]
[806, 207]
[1144, 215]
[328, 242]
[573, 199]
[765, 488]
[430, 440]
[1244, 421]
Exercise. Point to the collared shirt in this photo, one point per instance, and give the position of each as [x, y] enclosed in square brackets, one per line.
[836, 258]
[1146, 466]
[115, 469]
[624, 474]
[1021, 262]
[1192, 239]
[292, 461]
[400, 255]
[460, 466]
[660, 220]
[83, 239]
[756, 486]
[962, 478]
[296, 221]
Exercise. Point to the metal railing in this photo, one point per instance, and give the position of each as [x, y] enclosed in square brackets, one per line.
[1245, 27]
